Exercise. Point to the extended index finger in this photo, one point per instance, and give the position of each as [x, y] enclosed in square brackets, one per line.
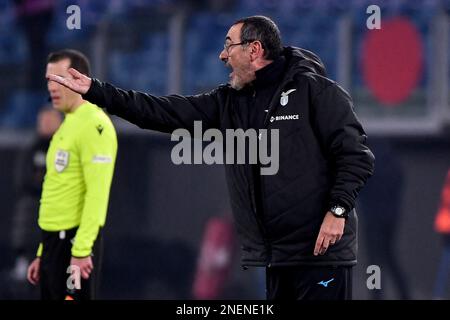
[319, 242]
[59, 79]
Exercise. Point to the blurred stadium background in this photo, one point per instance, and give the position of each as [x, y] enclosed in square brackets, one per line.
[398, 76]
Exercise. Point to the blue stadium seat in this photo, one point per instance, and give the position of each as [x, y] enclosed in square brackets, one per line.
[21, 109]
[145, 69]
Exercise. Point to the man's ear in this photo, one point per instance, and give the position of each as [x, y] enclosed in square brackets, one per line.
[256, 50]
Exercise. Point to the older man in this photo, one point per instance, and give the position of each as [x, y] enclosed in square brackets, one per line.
[298, 223]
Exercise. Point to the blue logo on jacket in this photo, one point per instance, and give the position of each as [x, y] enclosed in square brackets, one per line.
[325, 283]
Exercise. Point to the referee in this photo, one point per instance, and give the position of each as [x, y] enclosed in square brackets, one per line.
[80, 166]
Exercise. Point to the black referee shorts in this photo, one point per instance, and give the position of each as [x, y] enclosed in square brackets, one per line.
[55, 261]
[309, 283]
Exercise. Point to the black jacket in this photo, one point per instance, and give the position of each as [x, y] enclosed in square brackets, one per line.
[323, 158]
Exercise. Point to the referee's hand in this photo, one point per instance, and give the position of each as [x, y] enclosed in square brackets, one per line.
[33, 272]
[331, 232]
[85, 264]
[78, 82]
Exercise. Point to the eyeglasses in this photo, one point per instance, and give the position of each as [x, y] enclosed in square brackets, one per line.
[227, 46]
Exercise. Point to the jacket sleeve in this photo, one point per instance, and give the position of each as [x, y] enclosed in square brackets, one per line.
[39, 250]
[97, 151]
[344, 141]
[165, 113]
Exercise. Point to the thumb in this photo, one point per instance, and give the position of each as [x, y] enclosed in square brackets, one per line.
[74, 73]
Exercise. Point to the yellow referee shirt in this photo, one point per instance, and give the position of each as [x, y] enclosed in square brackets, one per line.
[80, 166]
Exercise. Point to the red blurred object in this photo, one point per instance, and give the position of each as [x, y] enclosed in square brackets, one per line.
[392, 60]
[215, 259]
[442, 221]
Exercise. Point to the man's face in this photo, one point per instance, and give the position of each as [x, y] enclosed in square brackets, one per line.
[63, 99]
[238, 58]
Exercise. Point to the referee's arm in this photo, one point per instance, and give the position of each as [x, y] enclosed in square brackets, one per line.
[98, 154]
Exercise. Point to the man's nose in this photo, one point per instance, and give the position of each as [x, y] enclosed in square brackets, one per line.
[52, 85]
[223, 56]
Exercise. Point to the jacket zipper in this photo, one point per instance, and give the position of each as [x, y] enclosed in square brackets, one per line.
[259, 221]
[272, 108]
[258, 215]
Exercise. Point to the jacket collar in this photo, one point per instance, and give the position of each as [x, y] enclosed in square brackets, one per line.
[271, 73]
